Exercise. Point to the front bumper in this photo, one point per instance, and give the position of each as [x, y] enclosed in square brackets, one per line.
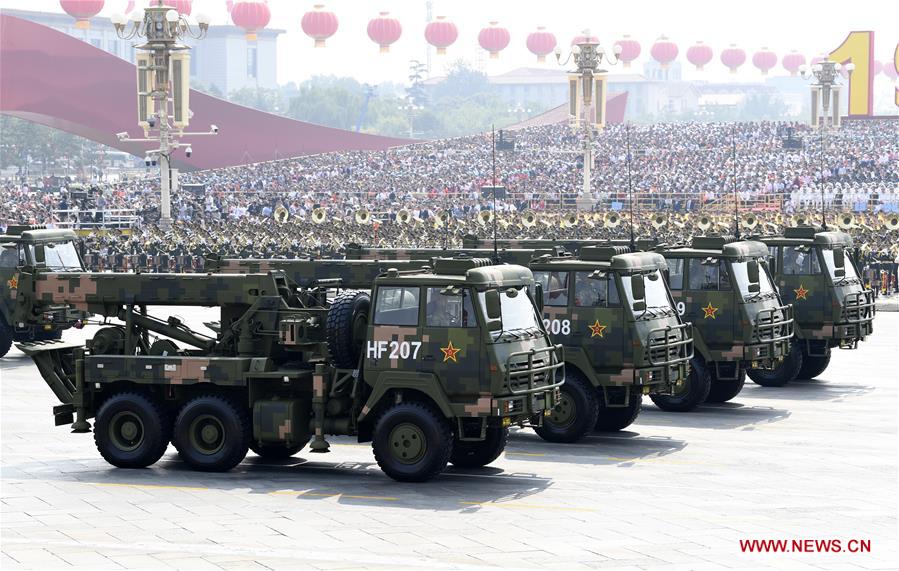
[532, 384]
[856, 319]
[669, 350]
[772, 331]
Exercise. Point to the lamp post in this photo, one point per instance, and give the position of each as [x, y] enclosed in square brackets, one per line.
[411, 108]
[163, 86]
[826, 76]
[587, 83]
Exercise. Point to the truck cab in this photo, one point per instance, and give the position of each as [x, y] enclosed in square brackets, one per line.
[724, 287]
[815, 271]
[26, 249]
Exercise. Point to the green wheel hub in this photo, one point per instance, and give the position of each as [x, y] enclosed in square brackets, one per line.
[407, 443]
[207, 434]
[564, 413]
[126, 431]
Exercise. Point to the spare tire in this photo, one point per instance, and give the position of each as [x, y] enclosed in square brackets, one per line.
[346, 327]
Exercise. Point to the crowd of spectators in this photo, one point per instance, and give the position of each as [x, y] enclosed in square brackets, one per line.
[677, 168]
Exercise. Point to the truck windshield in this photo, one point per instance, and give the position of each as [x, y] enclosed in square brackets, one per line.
[657, 302]
[741, 276]
[518, 313]
[850, 275]
[60, 257]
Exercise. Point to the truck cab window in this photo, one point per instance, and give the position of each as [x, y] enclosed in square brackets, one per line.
[676, 273]
[555, 287]
[799, 261]
[449, 310]
[397, 306]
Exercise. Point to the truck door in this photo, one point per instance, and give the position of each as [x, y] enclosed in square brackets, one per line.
[597, 321]
[801, 282]
[394, 338]
[709, 302]
[451, 342]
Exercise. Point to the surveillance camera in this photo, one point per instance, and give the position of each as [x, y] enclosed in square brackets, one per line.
[188, 151]
[214, 128]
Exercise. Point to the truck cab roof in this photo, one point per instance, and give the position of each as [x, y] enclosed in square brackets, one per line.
[480, 273]
[721, 246]
[33, 234]
[809, 236]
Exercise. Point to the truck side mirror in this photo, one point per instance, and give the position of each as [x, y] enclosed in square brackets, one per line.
[538, 296]
[638, 287]
[39, 258]
[839, 262]
[752, 271]
[494, 309]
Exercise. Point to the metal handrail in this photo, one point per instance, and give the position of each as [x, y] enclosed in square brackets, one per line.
[554, 351]
[764, 333]
[686, 341]
[863, 312]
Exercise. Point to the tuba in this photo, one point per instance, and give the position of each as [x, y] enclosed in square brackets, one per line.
[404, 216]
[319, 215]
[846, 221]
[801, 220]
[611, 220]
[281, 214]
[704, 223]
[892, 223]
[485, 217]
[362, 216]
[441, 219]
[750, 221]
[659, 221]
[529, 219]
[568, 221]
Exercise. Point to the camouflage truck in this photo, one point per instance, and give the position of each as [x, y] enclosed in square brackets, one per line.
[615, 317]
[450, 358]
[831, 307]
[49, 251]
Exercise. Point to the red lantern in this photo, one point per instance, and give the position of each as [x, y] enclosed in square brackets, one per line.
[82, 11]
[384, 31]
[733, 57]
[765, 60]
[319, 24]
[251, 15]
[494, 39]
[699, 55]
[663, 51]
[630, 50]
[584, 39]
[793, 61]
[183, 7]
[541, 43]
[441, 34]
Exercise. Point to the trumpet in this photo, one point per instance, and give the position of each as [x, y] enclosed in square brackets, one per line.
[611, 220]
[892, 223]
[529, 219]
[281, 214]
[659, 221]
[750, 221]
[704, 223]
[319, 215]
[362, 216]
[846, 221]
[404, 216]
[568, 221]
[485, 217]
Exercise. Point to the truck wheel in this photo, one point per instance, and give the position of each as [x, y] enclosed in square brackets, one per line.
[131, 430]
[345, 327]
[275, 451]
[468, 454]
[574, 415]
[785, 372]
[813, 365]
[5, 339]
[612, 419]
[693, 392]
[722, 390]
[212, 434]
[412, 442]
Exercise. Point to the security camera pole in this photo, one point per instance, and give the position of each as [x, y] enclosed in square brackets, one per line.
[163, 86]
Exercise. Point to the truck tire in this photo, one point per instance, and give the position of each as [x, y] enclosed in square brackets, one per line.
[5, 339]
[132, 430]
[275, 451]
[784, 373]
[613, 419]
[813, 365]
[722, 390]
[212, 434]
[468, 454]
[412, 442]
[575, 414]
[345, 327]
[692, 394]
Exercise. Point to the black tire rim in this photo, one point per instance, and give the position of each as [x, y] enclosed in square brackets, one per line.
[126, 431]
[564, 414]
[207, 434]
[407, 443]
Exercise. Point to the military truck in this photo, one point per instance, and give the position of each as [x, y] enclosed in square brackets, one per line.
[831, 307]
[49, 251]
[614, 315]
[450, 358]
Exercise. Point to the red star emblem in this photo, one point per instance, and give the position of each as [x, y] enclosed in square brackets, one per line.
[597, 330]
[710, 311]
[450, 352]
[13, 282]
[801, 293]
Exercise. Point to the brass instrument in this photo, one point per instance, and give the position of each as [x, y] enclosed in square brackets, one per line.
[750, 221]
[846, 221]
[281, 214]
[441, 219]
[319, 215]
[363, 216]
[892, 223]
[529, 219]
[485, 217]
[568, 221]
[404, 216]
[611, 220]
[659, 221]
[704, 223]
[801, 220]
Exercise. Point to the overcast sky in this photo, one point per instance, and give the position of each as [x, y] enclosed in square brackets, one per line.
[781, 25]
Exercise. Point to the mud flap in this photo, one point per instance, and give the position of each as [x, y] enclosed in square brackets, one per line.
[56, 365]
